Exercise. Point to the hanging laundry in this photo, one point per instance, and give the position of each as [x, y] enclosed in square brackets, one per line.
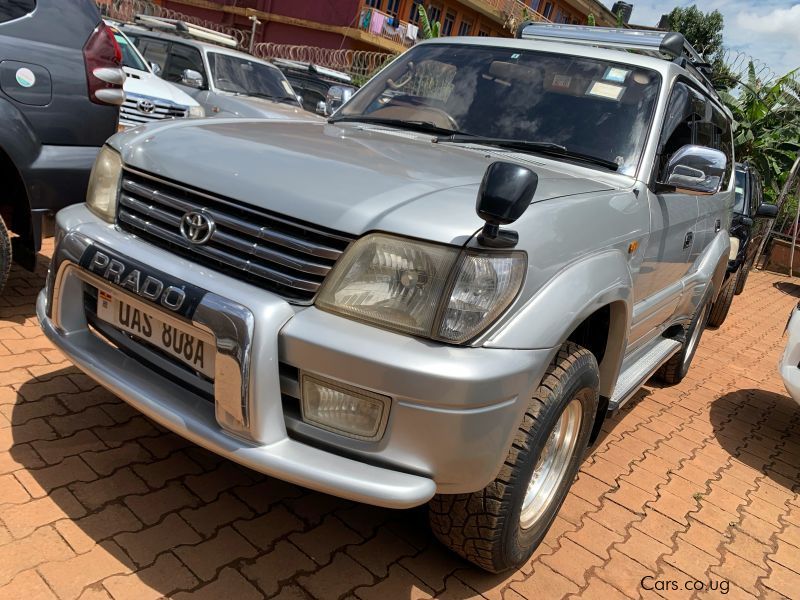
[376, 23]
[412, 31]
[366, 16]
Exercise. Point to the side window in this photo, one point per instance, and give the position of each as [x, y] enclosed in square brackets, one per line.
[14, 9]
[155, 51]
[181, 58]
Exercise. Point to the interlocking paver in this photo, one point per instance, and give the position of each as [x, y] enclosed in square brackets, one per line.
[695, 480]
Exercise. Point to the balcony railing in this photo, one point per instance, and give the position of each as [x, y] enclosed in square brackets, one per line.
[392, 28]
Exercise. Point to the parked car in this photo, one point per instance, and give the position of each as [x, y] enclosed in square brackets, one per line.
[149, 98]
[747, 231]
[60, 91]
[226, 82]
[322, 90]
[437, 296]
[789, 365]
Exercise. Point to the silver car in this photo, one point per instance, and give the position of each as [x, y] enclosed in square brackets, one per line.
[437, 296]
[226, 82]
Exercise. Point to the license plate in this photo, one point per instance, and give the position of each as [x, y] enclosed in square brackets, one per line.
[188, 344]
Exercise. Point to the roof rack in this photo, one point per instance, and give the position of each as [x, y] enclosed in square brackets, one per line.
[669, 45]
[178, 27]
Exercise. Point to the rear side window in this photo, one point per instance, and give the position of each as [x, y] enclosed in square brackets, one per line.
[14, 9]
[154, 51]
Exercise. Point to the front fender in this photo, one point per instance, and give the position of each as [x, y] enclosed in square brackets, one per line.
[549, 317]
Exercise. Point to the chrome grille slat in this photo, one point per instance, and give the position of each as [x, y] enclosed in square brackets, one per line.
[240, 225]
[272, 251]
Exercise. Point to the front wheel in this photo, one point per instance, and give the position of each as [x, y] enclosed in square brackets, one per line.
[499, 527]
[743, 273]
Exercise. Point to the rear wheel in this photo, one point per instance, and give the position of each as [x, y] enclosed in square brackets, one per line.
[675, 369]
[721, 307]
[499, 527]
[5, 254]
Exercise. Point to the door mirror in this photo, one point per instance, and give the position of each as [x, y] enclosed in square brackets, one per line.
[156, 68]
[338, 95]
[506, 192]
[767, 211]
[696, 170]
[192, 78]
[322, 108]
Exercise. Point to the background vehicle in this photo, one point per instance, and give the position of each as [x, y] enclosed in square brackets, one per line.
[747, 229]
[225, 82]
[322, 90]
[363, 318]
[789, 365]
[60, 91]
[148, 97]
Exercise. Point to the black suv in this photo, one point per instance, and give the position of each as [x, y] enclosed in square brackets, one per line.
[747, 230]
[313, 84]
[60, 91]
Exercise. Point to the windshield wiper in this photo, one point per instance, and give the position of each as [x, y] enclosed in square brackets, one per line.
[421, 126]
[548, 148]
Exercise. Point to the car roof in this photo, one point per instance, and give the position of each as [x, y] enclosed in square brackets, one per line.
[200, 45]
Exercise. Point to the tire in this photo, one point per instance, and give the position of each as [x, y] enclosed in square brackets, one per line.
[743, 273]
[486, 527]
[720, 308]
[5, 254]
[674, 370]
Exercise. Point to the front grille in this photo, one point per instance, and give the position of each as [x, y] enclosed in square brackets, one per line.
[130, 112]
[274, 252]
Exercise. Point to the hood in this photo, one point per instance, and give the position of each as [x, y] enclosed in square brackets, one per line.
[345, 177]
[142, 83]
[253, 107]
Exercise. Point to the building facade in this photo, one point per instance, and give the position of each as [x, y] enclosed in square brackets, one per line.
[383, 25]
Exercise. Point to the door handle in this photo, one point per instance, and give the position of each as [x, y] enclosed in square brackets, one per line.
[687, 241]
[717, 226]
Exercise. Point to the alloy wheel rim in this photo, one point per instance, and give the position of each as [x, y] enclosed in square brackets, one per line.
[553, 463]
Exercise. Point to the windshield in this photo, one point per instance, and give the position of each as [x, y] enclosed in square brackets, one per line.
[592, 107]
[242, 76]
[130, 56]
[741, 182]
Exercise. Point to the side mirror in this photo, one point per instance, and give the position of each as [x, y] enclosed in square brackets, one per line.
[192, 78]
[696, 170]
[322, 108]
[156, 68]
[338, 95]
[767, 211]
[506, 192]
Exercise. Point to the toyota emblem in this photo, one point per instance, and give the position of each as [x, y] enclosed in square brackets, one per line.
[197, 227]
[146, 107]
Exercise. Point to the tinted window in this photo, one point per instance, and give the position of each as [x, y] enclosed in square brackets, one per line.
[155, 51]
[591, 106]
[181, 58]
[14, 9]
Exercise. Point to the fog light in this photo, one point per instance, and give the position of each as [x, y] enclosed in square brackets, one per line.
[342, 409]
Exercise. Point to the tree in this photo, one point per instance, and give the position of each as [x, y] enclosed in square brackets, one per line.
[429, 30]
[704, 32]
[590, 20]
[768, 131]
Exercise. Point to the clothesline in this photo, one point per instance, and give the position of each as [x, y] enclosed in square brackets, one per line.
[379, 23]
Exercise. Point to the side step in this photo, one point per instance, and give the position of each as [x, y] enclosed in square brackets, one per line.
[632, 378]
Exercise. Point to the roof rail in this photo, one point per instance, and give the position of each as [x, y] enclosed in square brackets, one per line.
[178, 27]
[669, 45]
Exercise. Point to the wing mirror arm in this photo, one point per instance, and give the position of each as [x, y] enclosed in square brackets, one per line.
[506, 191]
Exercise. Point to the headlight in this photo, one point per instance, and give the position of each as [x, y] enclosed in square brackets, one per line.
[197, 112]
[101, 195]
[421, 288]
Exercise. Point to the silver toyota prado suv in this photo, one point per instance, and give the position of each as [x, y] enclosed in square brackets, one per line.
[437, 295]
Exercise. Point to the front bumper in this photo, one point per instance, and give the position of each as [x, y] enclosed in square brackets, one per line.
[454, 411]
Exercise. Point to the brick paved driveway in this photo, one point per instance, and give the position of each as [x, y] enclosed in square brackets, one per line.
[698, 481]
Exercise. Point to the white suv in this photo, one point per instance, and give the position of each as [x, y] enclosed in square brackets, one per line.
[149, 98]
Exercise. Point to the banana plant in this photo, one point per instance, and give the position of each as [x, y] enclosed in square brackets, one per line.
[429, 30]
[768, 131]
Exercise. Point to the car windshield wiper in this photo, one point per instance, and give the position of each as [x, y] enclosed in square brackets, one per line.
[548, 148]
[422, 126]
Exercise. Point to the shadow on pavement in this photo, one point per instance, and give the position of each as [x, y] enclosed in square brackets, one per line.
[787, 287]
[19, 295]
[762, 430]
[180, 517]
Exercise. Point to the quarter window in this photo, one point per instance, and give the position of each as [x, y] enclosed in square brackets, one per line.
[14, 9]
